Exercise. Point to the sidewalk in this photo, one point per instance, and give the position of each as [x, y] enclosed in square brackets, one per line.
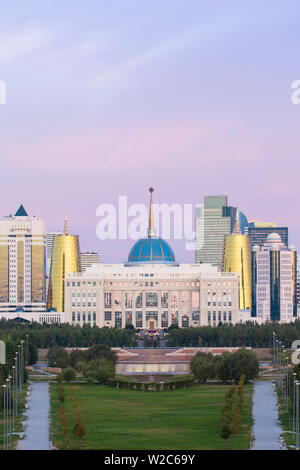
[37, 430]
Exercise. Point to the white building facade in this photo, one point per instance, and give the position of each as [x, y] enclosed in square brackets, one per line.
[153, 296]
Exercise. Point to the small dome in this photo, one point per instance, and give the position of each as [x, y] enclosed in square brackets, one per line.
[292, 247]
[273, 237]
[255, 248]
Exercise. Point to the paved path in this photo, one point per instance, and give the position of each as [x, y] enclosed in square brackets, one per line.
[38, 416]
[267, 428]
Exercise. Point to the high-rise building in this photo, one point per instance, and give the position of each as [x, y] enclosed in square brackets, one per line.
[22, 262]
[213, 221]
[237, 259]
[274, 281]
[259, 234]
[88, 259]
[65, 259]
[49, 247]
[256, 223]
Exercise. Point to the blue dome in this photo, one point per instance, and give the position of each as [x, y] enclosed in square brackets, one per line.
[151, 250]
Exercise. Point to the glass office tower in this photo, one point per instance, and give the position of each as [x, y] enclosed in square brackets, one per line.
[213, 221]
[237, 258]
[65, 259]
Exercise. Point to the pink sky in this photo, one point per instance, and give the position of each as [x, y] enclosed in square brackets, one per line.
[194, 100]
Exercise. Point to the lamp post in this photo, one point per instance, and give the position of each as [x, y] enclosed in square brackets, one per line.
[10, 410]
[4, 417]
[7, 412]
[294, 403]
[13, 394]
[275, 341]
[297, 415]
[19, 357]
[17, 387]
[27, 350]
[22, 363]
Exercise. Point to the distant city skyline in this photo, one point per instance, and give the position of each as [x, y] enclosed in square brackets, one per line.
[194, 99]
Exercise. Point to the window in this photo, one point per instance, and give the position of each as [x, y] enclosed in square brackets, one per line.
[107, 299]
[164, 299]
[128, 318]
[139, 319]
[185, 321]
[118, 319]
[164, 319]
[139, 300]
[151, 299]
[107, 315]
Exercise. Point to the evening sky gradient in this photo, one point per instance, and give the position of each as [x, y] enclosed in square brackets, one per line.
[108, 97]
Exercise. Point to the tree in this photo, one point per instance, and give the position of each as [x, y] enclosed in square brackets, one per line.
[78, 429]
[76, 358]
[223, 365]
[100, 370]
[203, 367]
[100, 351]
[58, 357]
[244, 362]
[69, 374]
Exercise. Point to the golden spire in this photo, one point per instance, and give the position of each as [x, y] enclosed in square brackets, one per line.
[237, 229]
[151, 216]
[66, 228]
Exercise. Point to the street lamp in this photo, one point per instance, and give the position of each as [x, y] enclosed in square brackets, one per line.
[4, 417]
[7, 411]
[294, 403]
[17, 388]
[297, 415]
[13, 394]
[27, 350]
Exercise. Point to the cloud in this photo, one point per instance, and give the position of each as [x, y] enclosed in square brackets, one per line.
[16, 44]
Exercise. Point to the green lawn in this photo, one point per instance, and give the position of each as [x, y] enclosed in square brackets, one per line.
[131, 419]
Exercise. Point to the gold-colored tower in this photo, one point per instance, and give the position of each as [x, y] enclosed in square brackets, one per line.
[237, 259]
[65, 259]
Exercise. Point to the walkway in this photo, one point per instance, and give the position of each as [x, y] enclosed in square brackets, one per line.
[267, 428]
[37, 423]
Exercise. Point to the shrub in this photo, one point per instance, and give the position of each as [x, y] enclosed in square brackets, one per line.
[69, 374]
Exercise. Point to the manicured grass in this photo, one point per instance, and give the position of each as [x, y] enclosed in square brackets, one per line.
[131, 419]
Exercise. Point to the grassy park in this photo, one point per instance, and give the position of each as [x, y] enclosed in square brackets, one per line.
[130, 419]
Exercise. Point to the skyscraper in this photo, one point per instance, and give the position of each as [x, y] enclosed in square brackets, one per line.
[274, 281]
[87, 259]
[213, 221]
[65, 259]
[237, 259]
[22, 262]
[258, 234]
[49, 247]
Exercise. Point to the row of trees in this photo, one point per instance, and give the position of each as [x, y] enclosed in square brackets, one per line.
[229, 420]
[97, 363]
[65, 335]
[78, 427]
[239, 335]
[228, 367]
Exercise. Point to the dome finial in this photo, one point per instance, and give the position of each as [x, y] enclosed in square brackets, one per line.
[237, 229]
[66, 228]
[151, 231]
